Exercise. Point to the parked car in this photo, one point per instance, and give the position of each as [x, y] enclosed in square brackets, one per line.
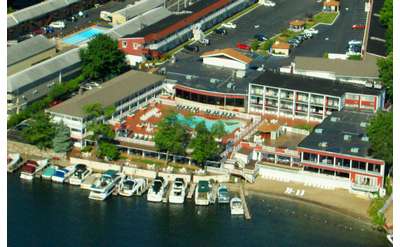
[268, 3]
[192, 48]
[205, 42]
[294, 42]
[260, 37]
[354, 42]
[229, 25]
[355, 26]
[311, 30]
[221, 31]
[243, 46]
[38, 31]
[57, 24]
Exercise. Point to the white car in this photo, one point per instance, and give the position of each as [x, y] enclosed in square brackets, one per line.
[311, 30]
[57, 24]
[268, 3]
[229, 25]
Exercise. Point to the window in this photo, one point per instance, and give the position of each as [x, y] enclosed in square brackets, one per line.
[310, 157]
[124, 44]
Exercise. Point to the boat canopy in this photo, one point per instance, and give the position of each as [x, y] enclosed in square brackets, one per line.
[80, 167]
[203, 186]
[111, 173]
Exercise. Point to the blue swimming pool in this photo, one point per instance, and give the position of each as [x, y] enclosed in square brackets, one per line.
[230, 125]
[85, 35]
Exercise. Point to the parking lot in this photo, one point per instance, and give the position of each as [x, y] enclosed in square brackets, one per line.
[334, 39]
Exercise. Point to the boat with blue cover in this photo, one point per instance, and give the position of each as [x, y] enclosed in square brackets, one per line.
[49, 172]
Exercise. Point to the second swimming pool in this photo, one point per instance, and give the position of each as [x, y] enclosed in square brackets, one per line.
[81, 37]
[230, 125]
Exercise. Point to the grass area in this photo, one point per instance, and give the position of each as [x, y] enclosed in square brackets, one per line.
[324, 17]
[307, 127]
[354, 57]
[373, 211]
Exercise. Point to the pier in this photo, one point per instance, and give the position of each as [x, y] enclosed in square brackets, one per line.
[191, 190]
[214, 191]
[247, 215]
[166, 195]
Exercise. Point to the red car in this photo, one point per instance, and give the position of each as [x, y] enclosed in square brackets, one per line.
[243, 46]
[358, 26]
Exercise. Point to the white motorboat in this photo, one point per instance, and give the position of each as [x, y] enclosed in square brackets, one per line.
[80, 174]
[31, 167]
[14, 161]
[62, 174]
[157, 190]
[236, 206]
[130, 186]
[390, 238]
[223, 194]
[178, 192]
[202, 193]
[105, 185]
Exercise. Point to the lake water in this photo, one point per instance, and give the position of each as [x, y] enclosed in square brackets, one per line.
[41, 213]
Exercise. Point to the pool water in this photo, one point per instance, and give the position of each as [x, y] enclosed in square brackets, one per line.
[229, 125]
[83, 36]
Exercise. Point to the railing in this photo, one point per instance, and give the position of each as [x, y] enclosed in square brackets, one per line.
[136, 141]
[366, 188]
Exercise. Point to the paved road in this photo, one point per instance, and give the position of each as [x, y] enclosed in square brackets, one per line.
[339, 34]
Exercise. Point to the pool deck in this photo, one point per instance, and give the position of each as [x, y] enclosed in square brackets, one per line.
[80, 31]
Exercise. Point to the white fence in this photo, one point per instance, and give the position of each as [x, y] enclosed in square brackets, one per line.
[136, 141]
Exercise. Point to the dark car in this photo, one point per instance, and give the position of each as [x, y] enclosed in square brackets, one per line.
[192, 48]
[221, 31]
[260, 37]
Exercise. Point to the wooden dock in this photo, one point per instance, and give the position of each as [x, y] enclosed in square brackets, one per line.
[191, 190]
[166, 195]
[214, 191]
[247, 215]
[145, 189]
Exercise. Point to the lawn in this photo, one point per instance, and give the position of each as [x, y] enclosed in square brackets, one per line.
[324, 17]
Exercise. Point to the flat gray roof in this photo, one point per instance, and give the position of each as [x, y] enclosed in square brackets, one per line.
[110, 92]
[28, 48]
[36, 10]
[43, 69]
[139, 8]
[139, 22]
[351, 68]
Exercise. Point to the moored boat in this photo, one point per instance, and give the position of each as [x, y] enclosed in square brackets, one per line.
[31, 167]
[80, 174]
[223, 194]
[14, 161]
[157, 190]
[202, 193]
[62, 174]
[236, 206]
[130, 186]
[178, 192]
[390, 238]
[49, 172]
[105, 185]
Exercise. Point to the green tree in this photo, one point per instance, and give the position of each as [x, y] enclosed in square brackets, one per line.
[380, 134]
[62, 140]
[40, 131]
[107, 150]
[386, 73]
[254, 45]
[102, 59]
[204, 145]
[171, 135]
[218, 130]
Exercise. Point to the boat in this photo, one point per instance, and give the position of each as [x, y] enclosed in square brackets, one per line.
[236, 206]
[202, 193]
[157, 190]
[130, 186]
[390, 238]
[49, 172]
[104, 186]
[31, 168]
[223, 194]
[14, 161]
[90, 180]
[62, 174]
[178, 192]
[80, 174]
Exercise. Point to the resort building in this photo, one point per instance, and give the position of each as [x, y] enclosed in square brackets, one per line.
[312, 99]
[29, 52]
[331, 6]
[297, 25]
[339, 147]
[42, 14]
[280, 48]
[132, 10]
[160, 37]
[33, 83]
[127, 93]
[363, 71]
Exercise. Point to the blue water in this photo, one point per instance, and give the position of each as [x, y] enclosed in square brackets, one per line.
[83, 36]
[229, 125]
[42, 213]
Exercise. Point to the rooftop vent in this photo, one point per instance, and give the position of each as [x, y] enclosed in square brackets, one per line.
[368, 84]
[213, 80]
[347, 137]
[189, 77]
[323, 144]
[229, 85]
[377, 85]
[319, 130]
[354, 150]
[335, 119]
[364, 138]
[363, 124]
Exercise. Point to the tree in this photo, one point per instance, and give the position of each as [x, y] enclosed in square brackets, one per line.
[380, 134]
[40, 131]
[204, 145]
[171, 135]
[386, 73]
[107, 150]
[218, 130]
[62, 140]
[102, 59]
[254, 45]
